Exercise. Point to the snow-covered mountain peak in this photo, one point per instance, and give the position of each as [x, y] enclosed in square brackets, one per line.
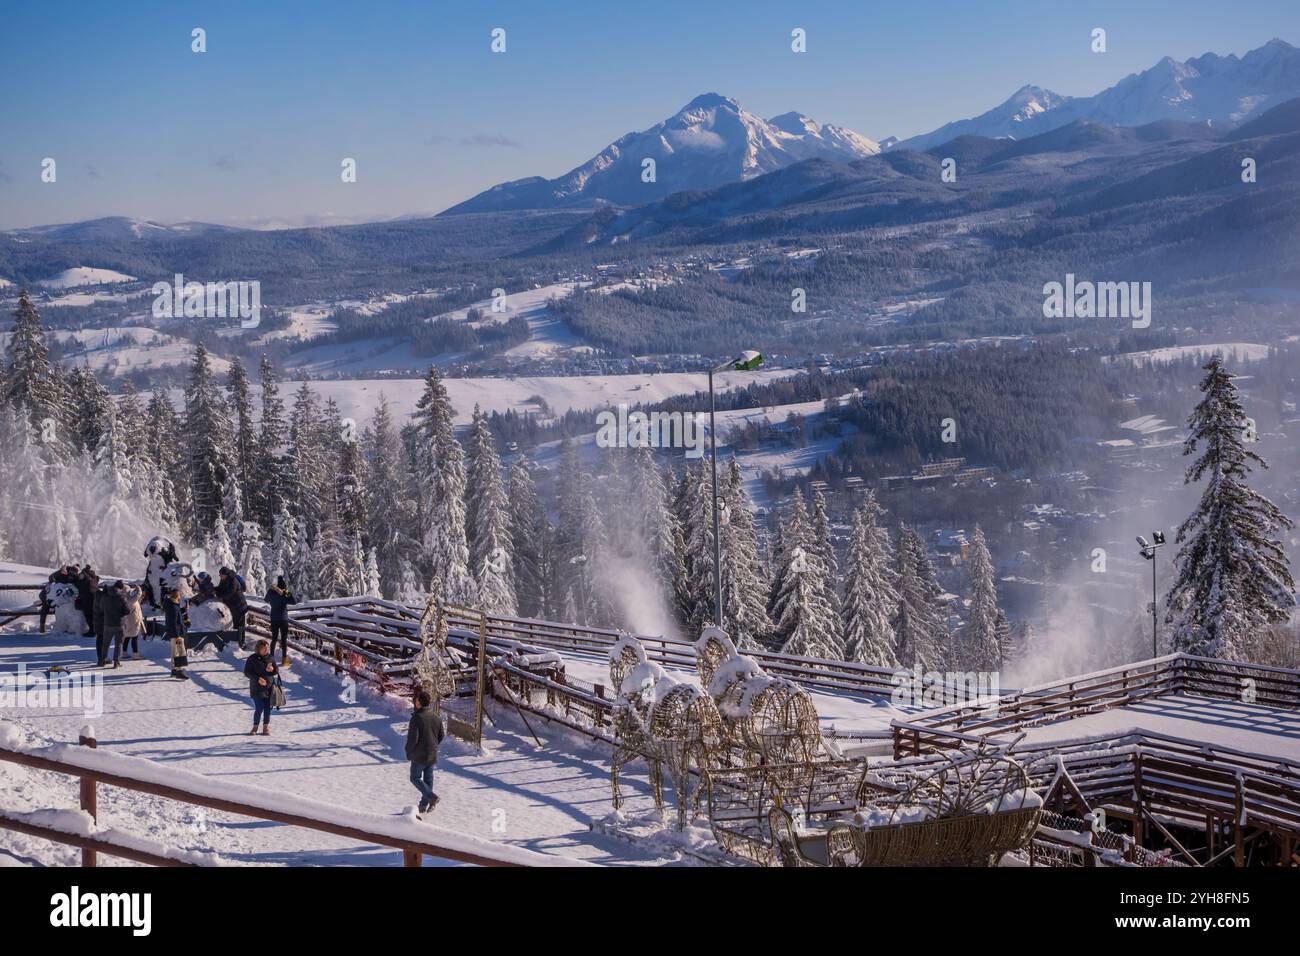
[709, 142]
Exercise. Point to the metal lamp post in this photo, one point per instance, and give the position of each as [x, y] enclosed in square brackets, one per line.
[1148, 551]
[747, 361]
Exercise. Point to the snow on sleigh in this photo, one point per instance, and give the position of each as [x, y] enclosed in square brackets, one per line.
[968, 808]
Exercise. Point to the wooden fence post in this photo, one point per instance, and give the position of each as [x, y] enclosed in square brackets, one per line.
[482, 676]
[412, 858]
[89, 801]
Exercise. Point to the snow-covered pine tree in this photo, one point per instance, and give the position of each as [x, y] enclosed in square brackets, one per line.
[29, 380]
[438, 464]
[220, 550]
[1006, 639]
[919, 631]
[332, 560]
[579, 537]
[305, 569]
[243, 457]
[206, 446]
[350, 487]
[488, 522]
[744, 586]
[657, 530]
[529, 531]
[162, 443]
[695, 504]
[389, 514]
[980, 648]
[371, 582]
[271, 482]
[686, 594]
[280, 553]
[870, 598]
[829, 564]
[307, 477]
[91, 403]
[115, 518]
[1233, 579]
[801, 614]
[37, 532]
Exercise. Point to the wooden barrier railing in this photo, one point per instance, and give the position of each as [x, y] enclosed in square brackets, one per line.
[816, 673]
[267, 807]
[1154, 774]
[1116, 687]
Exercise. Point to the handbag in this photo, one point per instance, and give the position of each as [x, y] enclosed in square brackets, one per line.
[277, 694]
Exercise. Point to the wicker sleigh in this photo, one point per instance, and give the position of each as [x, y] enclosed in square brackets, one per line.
[975, 840]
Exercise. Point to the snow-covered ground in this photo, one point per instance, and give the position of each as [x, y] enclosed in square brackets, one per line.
[1241, 351]
[357, 398]
[1217, 723]
[84, 275]
[321, 747]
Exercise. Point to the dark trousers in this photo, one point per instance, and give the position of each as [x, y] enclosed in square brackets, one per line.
[112, 638]
[280, 631]
[88, 614]
[262, 710]
[131, 644]
[422, 777]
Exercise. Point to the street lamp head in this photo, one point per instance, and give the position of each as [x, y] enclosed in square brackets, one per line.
[1142, 543]
[748, 361]
[1158, 537]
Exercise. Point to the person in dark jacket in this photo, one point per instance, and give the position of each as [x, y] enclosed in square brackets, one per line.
[87, 581]
[231, 593]
[98, 604]
[423, 735]
[278, 598]
[111, 603]
[260, 671]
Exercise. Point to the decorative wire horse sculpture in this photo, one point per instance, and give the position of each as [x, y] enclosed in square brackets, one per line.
[664, 721]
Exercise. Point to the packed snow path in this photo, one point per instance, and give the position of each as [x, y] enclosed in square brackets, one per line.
[321, 746]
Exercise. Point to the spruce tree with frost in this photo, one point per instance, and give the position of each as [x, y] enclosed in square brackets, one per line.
[870, 598]
[438, 471]
[488, 521]
[1233, 580]
[981, 645]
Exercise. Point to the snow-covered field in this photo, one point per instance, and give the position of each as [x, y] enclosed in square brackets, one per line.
[357, 398]
[84, 275]
[1240, 351]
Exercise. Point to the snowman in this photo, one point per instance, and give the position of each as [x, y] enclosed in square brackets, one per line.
[67, 619]
[209, 616]
[161, 552]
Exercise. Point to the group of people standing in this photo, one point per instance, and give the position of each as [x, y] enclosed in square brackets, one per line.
[111, 610]
[114, 617]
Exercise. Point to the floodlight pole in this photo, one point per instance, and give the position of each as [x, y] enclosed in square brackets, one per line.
[1155, 653]
[717, 542]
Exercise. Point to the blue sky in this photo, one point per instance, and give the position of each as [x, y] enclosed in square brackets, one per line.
[253, 131]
